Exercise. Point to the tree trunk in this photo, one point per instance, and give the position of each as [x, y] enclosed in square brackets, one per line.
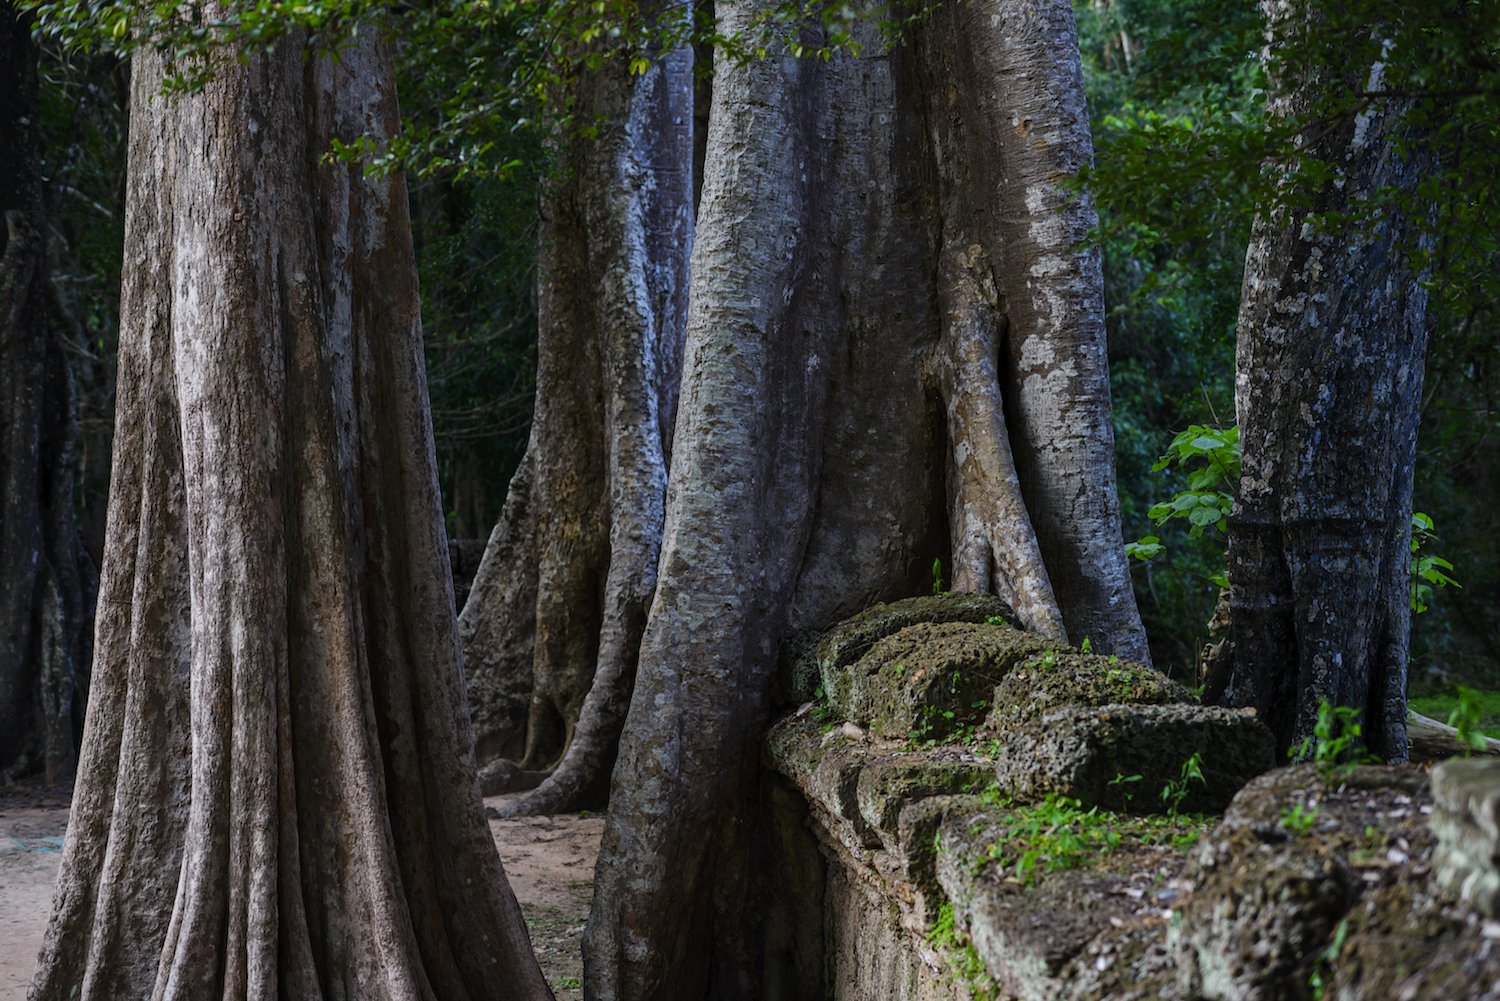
[44, 659]
[617, 230]
[276, 795]
[1332, 345]
[893, 354]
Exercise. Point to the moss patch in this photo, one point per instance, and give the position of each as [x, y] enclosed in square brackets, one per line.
[1052, 679]
[845, 643]
[934, 680]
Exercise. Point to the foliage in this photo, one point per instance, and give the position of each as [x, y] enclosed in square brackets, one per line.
[1299, 817]
[1176, 790]
[964, 962]
[509, 61]
[83, 124]
[1426, 568]
[1186, 155]
[1322, 973]
[1058, 833]
[475, 240]
[1476, 710]
[1465, 718]
[1210, 458]
[1334, 746]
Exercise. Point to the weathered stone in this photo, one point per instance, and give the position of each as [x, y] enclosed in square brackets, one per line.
[1056, 678]
[875, 956]
[1290, 860]
[929, 681]
[917, 829]
[1466, 821]
[502, 776]
[1252, 914]
[888, 782]
[1083, 752]
[848, 641]
[825, 765]
[1026, 934]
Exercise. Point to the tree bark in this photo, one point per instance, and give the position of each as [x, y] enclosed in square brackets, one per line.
[617, 231]
[1331, 352]
[44, 660]
[276, 795]
[850, 410]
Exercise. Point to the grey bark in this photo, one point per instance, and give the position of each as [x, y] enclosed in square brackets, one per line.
[44, 659]
[276, 794]
[1020, 99]
[1331, 353]
[617, 230]
[850, 411]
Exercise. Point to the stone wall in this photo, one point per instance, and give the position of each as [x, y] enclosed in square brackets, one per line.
[948, 771]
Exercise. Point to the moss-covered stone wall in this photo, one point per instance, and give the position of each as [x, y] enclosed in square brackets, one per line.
[1005, 817]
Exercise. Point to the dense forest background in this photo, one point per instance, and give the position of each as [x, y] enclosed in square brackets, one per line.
[1166, 80]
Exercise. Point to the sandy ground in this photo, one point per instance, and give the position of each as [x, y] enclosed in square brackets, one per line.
[550, 862]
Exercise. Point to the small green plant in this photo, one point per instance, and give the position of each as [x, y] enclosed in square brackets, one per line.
[567, 983]
[937, 576]
[944, 930]
[1047, 837]
[1211, 458]
[1426, 569]
[1123, 780]
[963, 961]
[995, 620]
[1332, 745]
[1087, 646]
[1176, 790]
[1466, 717]
[1323, 972]
[1299, 817]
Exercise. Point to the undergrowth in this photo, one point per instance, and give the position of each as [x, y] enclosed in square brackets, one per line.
[1059, 833]
[964, 963]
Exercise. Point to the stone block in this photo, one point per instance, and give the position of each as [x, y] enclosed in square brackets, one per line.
[844, 644]
[1057, 678]
[1080, 752]
[888, 782]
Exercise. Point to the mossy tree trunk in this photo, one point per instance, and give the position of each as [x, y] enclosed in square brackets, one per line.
[44, 656]
[895, 353]
[276, 794]
[1331, 353]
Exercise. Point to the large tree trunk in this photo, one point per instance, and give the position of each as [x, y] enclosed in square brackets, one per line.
[617, 231]
[43, 613]
[276, 795]
[1331, 352]
[893, 354]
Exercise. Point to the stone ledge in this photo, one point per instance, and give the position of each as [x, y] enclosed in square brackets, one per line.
[921, 837]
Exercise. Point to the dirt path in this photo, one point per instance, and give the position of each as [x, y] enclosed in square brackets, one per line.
[550, 862]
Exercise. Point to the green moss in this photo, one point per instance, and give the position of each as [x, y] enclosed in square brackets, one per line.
[933, 680]
[964, 964]
[844, 644]
[1061, 677]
